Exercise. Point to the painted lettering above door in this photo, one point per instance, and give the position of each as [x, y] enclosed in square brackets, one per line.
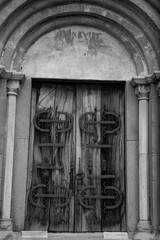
[93, 40]
[78, 52]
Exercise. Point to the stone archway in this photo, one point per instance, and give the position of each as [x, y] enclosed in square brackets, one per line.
[134, 32]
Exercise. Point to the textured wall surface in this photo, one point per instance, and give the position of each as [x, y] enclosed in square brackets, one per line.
[78, 53]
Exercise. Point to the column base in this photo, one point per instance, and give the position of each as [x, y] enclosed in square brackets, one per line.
[144, 226]
[144, 236]
[6, 224]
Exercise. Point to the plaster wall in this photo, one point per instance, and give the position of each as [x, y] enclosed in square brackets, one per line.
[78, 53]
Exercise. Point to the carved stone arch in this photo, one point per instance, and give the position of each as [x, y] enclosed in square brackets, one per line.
[122, 13]
[110, 27]
[124, 21]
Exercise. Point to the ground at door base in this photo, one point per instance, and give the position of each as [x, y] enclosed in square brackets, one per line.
[42, 235]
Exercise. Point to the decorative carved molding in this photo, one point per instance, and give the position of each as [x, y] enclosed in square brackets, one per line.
[14, 79]
[6, 224]
[142, 88]
[13, 87]
[142, 92]
[17, 76]
[138, 81]
[13, 83]
[4, 74]
[156, 77]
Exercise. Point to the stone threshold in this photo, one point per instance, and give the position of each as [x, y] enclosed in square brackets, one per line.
[77, 235]
[33, 235]
[24, 235]
[94, 235]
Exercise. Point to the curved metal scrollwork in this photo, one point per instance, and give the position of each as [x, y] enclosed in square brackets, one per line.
[87, 194]
[87, 197]
[87, 123]
[44, 119]
[110, 123]
[40, 196]
[34, 196]
[43, 195]
[113, 194]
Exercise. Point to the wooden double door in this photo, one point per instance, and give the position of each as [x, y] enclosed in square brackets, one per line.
[76, 180]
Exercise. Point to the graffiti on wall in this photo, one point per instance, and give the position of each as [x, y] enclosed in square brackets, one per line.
[93, 40]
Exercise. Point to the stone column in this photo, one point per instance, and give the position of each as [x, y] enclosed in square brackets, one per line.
[142, 90]
[13, 86]
[156, 79]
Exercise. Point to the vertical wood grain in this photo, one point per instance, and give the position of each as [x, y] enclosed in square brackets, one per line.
[34, 215]
[77, 99]
[113, 99]
[87, 101]
[60, 217]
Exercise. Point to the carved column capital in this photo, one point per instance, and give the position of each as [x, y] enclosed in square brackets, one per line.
[13, 87]
[155, 79]
[142, 92]
[14, 79]
[142, 87]
[13, 83]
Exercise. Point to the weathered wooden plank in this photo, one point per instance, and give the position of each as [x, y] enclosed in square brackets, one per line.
[57, 98]
[61, 217]
[96, 104]
[77, 155]
[78, 168]
[87, 101]
[106, 154]
[113, 98]
[30, 158]
[37, 218]
[122, 161]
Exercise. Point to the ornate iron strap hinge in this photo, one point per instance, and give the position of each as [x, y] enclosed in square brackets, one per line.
[40, 196]
[51, 123]
[110, 196]
[44, 119]
[110, 123]
[88, 195]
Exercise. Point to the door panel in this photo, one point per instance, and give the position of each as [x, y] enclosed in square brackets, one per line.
[113, 101]
[86, 159]
[52, 158]
[76, 160]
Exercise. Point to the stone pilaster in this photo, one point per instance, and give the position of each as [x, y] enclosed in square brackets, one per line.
[142, 90]
[13, 86]
[156, 79]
